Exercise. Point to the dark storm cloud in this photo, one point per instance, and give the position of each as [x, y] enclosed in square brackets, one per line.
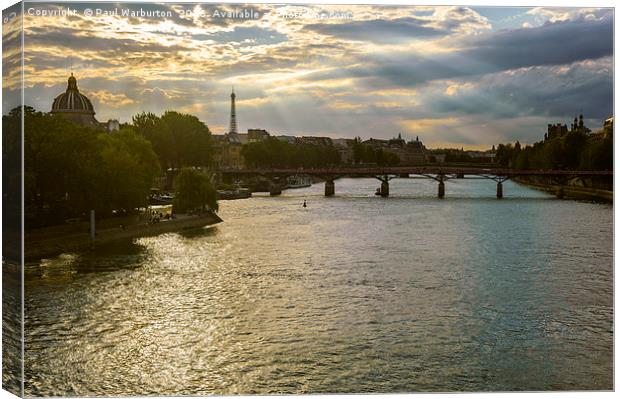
[78, 41]
[379, 30]
[46, 61]
[586, 89]
[551, 44]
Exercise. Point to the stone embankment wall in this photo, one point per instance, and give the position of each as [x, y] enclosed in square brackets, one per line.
[594, 189]
[60, 239]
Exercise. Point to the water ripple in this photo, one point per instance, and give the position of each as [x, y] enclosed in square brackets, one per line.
[353, 294]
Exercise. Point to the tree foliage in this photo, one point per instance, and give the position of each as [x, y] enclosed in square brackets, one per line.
[194, 191]
[179, 140]
[11, 168]
[273, 152]
[364, 153]
[70, 169]
[130, 168]
[572, 151]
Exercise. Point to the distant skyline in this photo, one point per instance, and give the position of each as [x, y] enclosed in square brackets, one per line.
[454, 76]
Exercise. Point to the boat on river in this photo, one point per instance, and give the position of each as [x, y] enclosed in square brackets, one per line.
[158, 198]
[298, 182]
[237, 193]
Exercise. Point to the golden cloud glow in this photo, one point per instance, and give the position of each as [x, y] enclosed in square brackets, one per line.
[113, 100]
[418, 125]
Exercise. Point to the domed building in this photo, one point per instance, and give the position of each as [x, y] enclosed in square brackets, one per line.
[76, 107]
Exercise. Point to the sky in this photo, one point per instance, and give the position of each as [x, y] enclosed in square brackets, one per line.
[454, 76]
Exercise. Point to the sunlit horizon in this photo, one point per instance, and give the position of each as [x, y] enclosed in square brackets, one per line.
[467, 77]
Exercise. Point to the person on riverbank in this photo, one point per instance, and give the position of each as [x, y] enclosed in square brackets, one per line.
[304, 205]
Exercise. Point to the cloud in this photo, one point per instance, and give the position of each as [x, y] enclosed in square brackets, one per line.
[557, 92]
[545, 45]
[112, 100]
[380, 31]
[417, 125]
[460, 19]
[78, 40]
[490, 53]
[438, 23]
[447, 74]
[557, 14]
[244, 34]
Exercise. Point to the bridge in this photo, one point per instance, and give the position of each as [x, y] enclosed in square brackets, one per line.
[277, 176]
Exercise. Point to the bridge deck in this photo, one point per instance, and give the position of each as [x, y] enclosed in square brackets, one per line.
[423, 170]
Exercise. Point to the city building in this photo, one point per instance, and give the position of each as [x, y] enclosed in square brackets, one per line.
[608, 126]
[555, 130]
[345, 149]
[412, 152]
[579, 126]
[227, 153]
[559, 130]
[78, 108]
[256, 135]
[606, 131]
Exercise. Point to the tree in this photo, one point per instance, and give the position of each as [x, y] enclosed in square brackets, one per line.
[70, 169]
[386, 158]
[11, 167]
[599, 155]
[179, 140]
[358, 150]
[151, 127]
[273, 152]
[364, 153]
[60, 169]
[573, 145]
[572, 151]
[129, 167]
[194, 191]
[504, 154]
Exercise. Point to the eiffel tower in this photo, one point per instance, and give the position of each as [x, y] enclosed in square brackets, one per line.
[233, 114]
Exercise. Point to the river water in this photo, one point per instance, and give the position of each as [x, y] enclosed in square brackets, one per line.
[354, 293]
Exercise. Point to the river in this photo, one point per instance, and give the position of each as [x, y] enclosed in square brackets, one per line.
[354, 293]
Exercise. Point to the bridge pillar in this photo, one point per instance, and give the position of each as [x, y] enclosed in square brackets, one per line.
[330, 188]
[441, 191]
[275, 188]
[385, 188]
[500, 190]
[559, 192]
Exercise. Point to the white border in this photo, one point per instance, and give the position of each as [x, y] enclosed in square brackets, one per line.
[505, 3]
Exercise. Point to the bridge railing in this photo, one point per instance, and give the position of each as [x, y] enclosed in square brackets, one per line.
[352, 171]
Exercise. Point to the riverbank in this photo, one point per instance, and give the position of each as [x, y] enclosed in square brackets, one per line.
[572, 190]
[53, 241]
